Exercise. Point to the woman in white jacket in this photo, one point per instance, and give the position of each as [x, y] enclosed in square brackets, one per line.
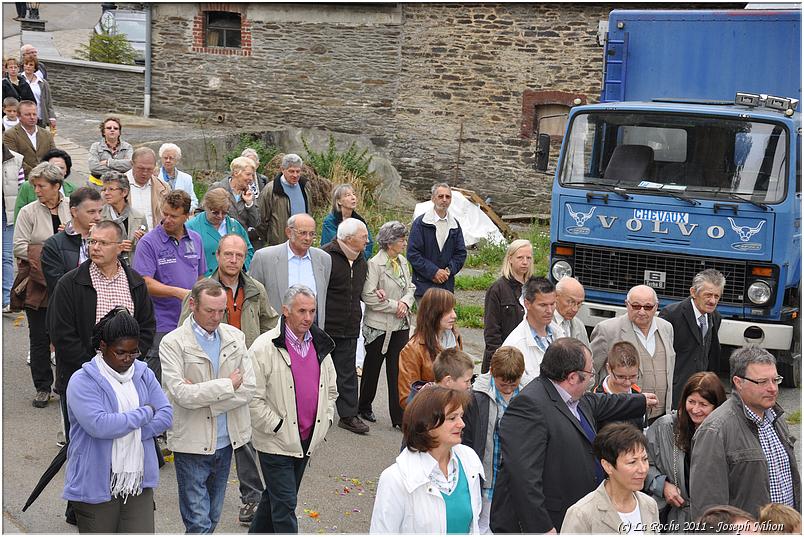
[434, 485]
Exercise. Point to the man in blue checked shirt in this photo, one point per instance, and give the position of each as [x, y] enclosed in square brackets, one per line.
[742, 454]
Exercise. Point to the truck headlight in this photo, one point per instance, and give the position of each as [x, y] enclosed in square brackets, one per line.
[759, 292]
[560, 269]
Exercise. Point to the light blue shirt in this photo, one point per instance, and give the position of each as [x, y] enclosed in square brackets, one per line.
[210, 343]
[222, 228]
[300, 270]
[295, 196]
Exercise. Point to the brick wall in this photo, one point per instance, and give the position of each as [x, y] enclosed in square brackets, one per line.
[96, 86]
[446, 90]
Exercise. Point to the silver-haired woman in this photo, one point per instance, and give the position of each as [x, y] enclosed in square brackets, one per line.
[170, 155]
[388, 295]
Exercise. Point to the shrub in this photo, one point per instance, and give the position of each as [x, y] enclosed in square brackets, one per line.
[265, 152]
[469, 315]
[107, 48]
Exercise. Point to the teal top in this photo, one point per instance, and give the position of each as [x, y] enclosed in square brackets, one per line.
[459, 505]
[210, 238]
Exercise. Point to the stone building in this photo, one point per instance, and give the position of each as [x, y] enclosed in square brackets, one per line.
[455, 92]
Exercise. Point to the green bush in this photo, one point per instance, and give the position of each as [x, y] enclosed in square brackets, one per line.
[352, 160]
[265, 152]
[486, 255]
[107, 48]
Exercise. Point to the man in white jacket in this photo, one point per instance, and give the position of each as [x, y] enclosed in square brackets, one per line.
[209, 379]
[293, 408]
[538, 329]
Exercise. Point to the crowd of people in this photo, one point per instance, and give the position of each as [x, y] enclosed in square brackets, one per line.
[216, 330]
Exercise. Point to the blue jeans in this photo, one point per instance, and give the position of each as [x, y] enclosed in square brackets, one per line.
[202, 485]
[8, 259]
[277, 510]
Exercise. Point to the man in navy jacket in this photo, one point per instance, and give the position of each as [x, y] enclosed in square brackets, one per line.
[436, 250]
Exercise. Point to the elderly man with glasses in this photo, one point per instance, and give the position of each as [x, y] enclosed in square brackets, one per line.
[294, 261]
[742, 454]
[653, 339]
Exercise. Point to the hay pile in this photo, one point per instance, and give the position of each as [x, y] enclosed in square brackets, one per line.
[318, 187]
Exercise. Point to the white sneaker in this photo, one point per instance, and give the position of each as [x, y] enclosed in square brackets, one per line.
[52, 358]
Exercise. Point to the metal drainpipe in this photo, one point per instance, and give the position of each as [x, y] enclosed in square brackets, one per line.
[146, 111]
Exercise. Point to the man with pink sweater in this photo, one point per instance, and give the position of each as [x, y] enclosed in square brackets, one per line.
[289, 424]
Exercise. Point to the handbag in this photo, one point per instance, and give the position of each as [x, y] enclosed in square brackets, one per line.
[20, 286]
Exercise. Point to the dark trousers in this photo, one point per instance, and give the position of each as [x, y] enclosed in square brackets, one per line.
[134, 515]
[371, 373]
[277, 510]
[22, 9]
[343, 358]
[152, 357]
[39, 343]
[248, 474]
[69, 512]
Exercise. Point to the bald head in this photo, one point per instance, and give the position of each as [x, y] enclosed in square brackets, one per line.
[569, 297]
[636, 301]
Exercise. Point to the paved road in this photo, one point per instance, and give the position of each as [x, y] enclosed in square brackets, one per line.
[337, 491]
[58, 17]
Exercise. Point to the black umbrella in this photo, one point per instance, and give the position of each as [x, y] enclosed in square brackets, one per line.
[50, 473]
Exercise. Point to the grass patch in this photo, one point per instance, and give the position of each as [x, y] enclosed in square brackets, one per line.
[794, 418]
[469, 315]
[474, 282]
[490, 256]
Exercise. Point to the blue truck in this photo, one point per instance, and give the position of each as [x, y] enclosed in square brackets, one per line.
[691, 160]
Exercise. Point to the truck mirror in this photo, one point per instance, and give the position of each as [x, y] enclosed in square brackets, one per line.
[542, 153]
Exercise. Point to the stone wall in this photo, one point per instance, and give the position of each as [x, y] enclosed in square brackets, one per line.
[445, 90]
[100, 87]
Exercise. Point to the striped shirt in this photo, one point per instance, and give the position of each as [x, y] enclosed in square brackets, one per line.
[502, 406]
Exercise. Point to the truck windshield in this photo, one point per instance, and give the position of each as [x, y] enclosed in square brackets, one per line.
[705, 157]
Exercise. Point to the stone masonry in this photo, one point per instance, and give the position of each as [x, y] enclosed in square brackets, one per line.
[445, 90]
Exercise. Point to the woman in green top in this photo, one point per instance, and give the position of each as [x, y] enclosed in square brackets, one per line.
[434, 485]
[59, 158]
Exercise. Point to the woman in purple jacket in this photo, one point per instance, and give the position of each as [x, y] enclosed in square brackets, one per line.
[116, 408]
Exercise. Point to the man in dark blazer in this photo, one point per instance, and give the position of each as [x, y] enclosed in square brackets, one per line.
[554, 419]
[18, 138]
[695, 325]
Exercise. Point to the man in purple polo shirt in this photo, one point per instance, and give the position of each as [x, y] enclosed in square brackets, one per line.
[170, 258]
[286, 430]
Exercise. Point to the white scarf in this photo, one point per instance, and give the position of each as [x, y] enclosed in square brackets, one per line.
[127, 453]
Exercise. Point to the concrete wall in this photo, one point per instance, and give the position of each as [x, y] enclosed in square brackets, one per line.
[101, 87]
[446, 91]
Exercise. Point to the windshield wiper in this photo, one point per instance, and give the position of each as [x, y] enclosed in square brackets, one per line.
[733, 195]
[665, 192]
[602, 186]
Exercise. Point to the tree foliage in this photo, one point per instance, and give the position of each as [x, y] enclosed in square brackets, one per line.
[107, 48]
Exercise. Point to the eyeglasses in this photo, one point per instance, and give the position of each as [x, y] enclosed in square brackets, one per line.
[120, 355]
[572, 303]
[646, 307]
[310, 234]
[763, 382]
[103, 244]
[236, 255]
[624, 378]
[592, 373]
[218, 213]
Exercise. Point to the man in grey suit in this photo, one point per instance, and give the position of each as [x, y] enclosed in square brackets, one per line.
[569, 299]
[295, 261]
[653, 339]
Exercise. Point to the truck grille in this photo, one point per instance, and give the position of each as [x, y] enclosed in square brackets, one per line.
[606, 269]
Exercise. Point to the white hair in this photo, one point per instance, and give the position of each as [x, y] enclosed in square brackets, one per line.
[349, 227]
[170, 147]
[291, 159]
